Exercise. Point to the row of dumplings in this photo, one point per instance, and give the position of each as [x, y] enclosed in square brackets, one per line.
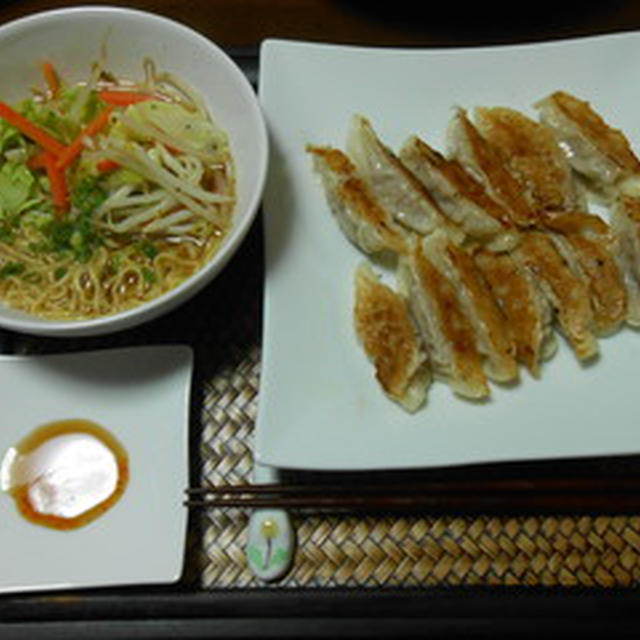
[494, 243]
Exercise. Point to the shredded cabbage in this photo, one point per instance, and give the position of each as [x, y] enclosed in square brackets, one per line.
[16, 188]
[168, 186]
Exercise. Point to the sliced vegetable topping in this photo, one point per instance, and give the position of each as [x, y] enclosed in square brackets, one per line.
[72, 151]
[51, 78]
[31, 130]
[124, 98]
[57, 183]
[110, 192]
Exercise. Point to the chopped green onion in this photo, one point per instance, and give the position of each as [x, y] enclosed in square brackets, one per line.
[11, 269]
[60, 273]
[148, 249]
[149, 275]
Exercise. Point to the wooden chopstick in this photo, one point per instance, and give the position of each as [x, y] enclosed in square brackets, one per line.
[587, 484]
[619, 493]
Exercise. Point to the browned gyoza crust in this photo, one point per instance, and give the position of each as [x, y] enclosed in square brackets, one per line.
[588, 241]
[385, 328]
[625, 222]
[492, 334]
[396, 188]
[360, 216]
[604, 157]
[583, 244]
[480, 158]
[495, 341]
[527, 312]
[600, 152]
[567, 293]
[444, 326]
[460, 195]
[531, 153]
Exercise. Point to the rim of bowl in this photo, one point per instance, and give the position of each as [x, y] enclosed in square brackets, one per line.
[172, 299]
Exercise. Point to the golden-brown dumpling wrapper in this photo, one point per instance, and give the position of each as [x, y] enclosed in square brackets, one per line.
[566, 291]
[460, 195]
[448, 333]
[493, 335]
[528, 313]
[596, 150]
[481, 159]
[532, 154]
[360, 216]
[625, 222]
[387, 333]
[588, 245]
[392, 184]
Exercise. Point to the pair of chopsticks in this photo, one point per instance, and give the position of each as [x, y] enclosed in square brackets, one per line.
[612, 493]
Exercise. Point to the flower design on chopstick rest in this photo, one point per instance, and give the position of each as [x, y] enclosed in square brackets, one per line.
[270, 544]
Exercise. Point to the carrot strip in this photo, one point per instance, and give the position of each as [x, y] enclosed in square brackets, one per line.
[29, 129]
[51, 78]
[37, 161]
[107, 165]
[58, 184]
[124, 98]
[71, 151]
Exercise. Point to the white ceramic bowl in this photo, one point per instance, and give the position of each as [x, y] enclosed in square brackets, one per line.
[72, 39]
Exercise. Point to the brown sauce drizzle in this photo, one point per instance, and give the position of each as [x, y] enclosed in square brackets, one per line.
[74, 494]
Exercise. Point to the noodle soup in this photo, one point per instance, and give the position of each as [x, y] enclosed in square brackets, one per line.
[112, 193]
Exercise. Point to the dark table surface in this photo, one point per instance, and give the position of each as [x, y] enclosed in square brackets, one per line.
[242, 24]
[239, 26]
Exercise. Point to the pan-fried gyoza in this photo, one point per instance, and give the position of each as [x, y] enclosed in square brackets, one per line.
[599, 153]
[445, 326]
[493, 336]
[583, 281]
[566, 291]
[587, 243]
[388, 335]
[495, 248]
[464, 199]
[625, 221]
[395, 187]
[531, 153]
[527, 312]
[362, 219]
[604, 159]
[481, 159]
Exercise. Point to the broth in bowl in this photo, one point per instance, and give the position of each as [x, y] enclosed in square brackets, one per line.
[112, 192]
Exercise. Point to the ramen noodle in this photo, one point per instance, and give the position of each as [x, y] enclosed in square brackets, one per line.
[112, 192]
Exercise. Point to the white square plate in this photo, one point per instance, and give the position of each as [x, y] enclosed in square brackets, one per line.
[140, 395]
[320, 406]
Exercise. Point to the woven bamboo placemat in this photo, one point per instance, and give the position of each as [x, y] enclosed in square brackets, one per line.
[388, 551]
[381, 551]
[223, 325]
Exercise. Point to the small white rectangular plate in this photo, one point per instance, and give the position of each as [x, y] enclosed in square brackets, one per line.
[320, 406]
[141, 395]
